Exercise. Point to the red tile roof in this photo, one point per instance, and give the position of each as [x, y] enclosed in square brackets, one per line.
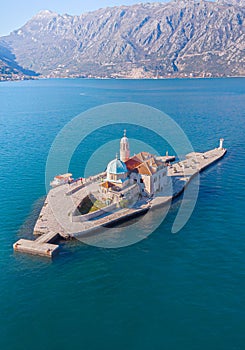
[144, 162]
[132, 163]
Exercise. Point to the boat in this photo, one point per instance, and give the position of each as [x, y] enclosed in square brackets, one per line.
[61, 180]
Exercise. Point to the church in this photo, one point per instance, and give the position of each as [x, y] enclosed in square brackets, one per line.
[129, 177]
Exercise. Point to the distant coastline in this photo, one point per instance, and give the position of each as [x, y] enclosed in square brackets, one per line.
[19, 79]
[175, 39]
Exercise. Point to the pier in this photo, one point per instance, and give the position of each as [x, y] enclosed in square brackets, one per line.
[63, 199]
[41, 246]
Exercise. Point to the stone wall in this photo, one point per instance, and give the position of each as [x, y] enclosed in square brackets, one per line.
[94, 214]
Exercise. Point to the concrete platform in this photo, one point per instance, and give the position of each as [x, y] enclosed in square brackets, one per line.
[36, 248]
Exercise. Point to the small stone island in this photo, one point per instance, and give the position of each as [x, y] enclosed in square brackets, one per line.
[129, 187]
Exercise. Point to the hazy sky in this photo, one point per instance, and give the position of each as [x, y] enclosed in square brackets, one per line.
[14, 13]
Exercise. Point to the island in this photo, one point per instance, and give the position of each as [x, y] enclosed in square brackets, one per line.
[130, 186]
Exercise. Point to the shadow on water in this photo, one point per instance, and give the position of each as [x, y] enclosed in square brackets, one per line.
[26, 229]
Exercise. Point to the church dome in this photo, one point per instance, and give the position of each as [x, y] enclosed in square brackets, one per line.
[116, 166]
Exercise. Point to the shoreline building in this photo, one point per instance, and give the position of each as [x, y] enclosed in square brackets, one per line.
[148, 171]
[141, 175]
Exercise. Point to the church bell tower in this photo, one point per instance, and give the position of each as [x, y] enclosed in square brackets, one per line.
[124, 148]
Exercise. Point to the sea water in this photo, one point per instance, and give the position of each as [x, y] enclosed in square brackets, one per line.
[169, 291]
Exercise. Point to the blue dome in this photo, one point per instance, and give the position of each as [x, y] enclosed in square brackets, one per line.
[116, 166]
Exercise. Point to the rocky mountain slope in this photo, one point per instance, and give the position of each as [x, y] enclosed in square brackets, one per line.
[9, 69]
[179, 38]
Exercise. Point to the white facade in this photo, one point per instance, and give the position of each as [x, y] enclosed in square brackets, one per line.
[151, 184]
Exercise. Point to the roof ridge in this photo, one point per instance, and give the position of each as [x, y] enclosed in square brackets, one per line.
[148, 168]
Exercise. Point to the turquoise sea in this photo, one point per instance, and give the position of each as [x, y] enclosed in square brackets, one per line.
[169, 291]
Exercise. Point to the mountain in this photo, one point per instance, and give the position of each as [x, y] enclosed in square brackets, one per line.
[232, 2]
[175, 39]
[9, 68]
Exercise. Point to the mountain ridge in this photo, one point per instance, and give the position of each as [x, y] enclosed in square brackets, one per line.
[174, 39]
